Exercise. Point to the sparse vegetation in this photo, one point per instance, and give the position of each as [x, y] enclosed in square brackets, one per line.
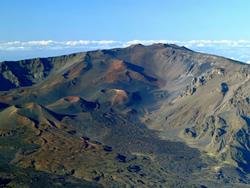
[142, 116]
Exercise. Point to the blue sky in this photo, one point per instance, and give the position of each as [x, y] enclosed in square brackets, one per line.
[30, 28]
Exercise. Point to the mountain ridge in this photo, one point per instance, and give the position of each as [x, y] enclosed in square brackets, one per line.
[157, 115]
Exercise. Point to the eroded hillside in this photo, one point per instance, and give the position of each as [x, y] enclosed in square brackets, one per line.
[144, 116]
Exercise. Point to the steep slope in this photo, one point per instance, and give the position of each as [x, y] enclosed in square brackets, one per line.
[33, 71]
[124, 116]
[212, 113]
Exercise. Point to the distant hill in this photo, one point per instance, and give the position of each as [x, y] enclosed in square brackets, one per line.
[142, 116]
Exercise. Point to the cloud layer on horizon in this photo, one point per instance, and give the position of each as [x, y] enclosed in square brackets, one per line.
[235, 49]
[51, 44]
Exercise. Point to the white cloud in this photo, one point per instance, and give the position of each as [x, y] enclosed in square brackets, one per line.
[51, 44]
[239, 49]
[38, 43]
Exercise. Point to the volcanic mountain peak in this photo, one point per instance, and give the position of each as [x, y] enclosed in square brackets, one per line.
[135, 107]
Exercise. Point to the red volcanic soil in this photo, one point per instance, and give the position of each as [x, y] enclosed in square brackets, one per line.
[72, 99]
[116, 67]
[119, 97]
